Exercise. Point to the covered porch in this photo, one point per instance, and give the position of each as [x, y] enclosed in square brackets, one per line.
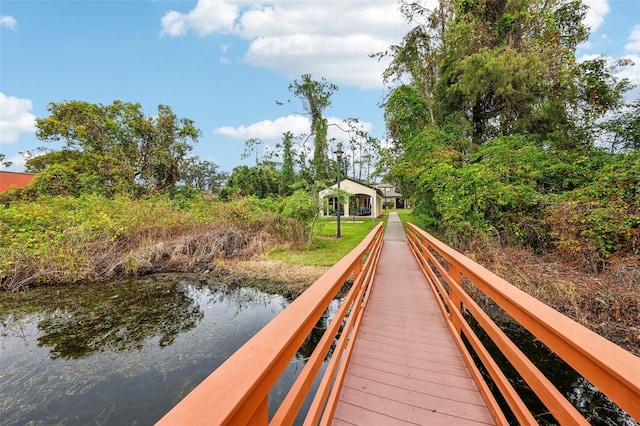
[362, 200]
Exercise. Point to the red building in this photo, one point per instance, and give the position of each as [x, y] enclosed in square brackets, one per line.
[14, 179]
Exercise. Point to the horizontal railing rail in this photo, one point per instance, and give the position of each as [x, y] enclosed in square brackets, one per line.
[614, 371]
[237, 391]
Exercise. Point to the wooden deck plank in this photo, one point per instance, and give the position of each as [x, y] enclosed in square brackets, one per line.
[429, 371]
[405, 367]
[447, 387]
[427, 411]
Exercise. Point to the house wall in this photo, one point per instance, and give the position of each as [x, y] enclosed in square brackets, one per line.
[355, 188]
[14, 179]
[378, 209]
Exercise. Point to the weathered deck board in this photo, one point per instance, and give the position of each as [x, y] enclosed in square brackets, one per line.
[405, 368]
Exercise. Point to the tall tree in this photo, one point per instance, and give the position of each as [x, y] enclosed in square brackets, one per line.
[316, 97]
[417, 56]
[201, 175]
[287, 173]
[406, 113]
[258, 181]
[362, 150]
[500, 67]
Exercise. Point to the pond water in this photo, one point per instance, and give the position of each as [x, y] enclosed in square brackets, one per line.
[126, 352]
[596, 407]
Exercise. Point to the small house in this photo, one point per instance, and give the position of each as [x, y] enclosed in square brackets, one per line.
[364, 200]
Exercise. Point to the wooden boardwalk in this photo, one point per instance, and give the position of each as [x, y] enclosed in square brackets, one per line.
[405, 367]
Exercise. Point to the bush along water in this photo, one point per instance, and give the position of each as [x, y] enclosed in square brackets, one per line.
[583, 205]
[65, 239]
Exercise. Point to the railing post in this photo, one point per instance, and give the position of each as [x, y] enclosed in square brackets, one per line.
[357, 269]
[261, 415]
[455, 310]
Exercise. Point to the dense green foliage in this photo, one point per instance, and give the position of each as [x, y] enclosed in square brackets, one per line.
[584, 204]
[501, 67]
[87, 237]
[123, 196]
[115, 148]
[498, 130]
[257, 181]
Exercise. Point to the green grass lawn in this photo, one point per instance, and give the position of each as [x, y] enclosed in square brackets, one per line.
[327, 249]
[407, 216]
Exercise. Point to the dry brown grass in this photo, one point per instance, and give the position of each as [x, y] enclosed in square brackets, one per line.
[287, 279]
[185, 249]
[607, 302]
[177, 248]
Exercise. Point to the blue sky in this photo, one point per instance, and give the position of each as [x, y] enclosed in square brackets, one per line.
[221, 63]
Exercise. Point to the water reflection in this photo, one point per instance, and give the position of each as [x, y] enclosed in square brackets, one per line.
[121, 318]
[120, 353]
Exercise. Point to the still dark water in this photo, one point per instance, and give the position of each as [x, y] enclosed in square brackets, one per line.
[125, 353]
[122, 353]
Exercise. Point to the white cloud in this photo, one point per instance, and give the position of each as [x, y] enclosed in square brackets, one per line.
[15, 118]
[331, 40]
[173, 24]
[207, 17]
[268, 129]
[294, 123]
[342, 60]
[381, 18]
[8, 22]
[596, 13]
[17, 161]
[634, 41]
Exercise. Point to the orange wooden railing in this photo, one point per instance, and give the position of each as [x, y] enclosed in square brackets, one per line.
[237, 392]
[614, 371]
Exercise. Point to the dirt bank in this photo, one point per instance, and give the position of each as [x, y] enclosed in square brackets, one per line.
[273, 276]
[607, 302]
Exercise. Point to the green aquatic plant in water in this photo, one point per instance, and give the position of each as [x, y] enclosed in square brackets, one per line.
[119, 353]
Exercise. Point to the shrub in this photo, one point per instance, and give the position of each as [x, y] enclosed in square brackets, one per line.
[591, 223]
[68, 239]
[57, 180]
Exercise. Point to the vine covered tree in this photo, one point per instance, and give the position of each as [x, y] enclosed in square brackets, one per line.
[316, 97]
[287, 172]
[496, 128]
